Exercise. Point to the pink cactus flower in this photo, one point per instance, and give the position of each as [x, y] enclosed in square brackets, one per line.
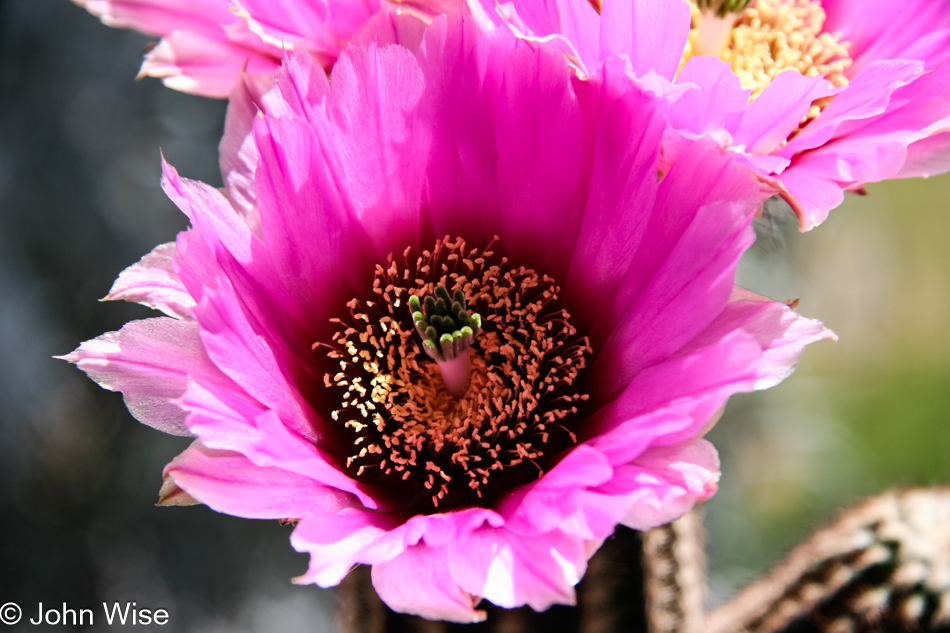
[446, 316]
[206, 44]
[817, 97]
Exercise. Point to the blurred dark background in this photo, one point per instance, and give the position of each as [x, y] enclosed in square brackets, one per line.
[80, 201]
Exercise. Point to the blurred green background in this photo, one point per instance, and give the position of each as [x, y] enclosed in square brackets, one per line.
[80, 200]
[860, 415]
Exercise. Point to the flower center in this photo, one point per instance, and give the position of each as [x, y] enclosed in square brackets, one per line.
[762, 38]
[457, 377]
[447, 330]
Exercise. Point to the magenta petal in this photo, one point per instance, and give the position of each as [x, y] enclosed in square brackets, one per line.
[306, 225]
[149, 362]
[652, 33]
[814, 196]
[153, 282]
[229, 483]
[511, 571]
[474, 132]
[418, 582]
[223, 418]
[578, 21]
[209, 212]
[372, 126]
[463, 72]
[622, 191]
[570, 26]
[439, 530]
[301, 86]
[875, 148]
[539, 145]
[705, 205]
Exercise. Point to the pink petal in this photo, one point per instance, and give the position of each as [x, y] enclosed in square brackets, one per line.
[337, 542]
[158, 17]
[439, 530]
[814, 194]
[867, 95]
[674, 400]
[779, 330]
[666, 481]
[418, 582]
[718, 101]
[559, 500]
[248, 358]
[231, 421]
[882, 29]
[237, 149]
[202, 64]
[770, 118]
[389, 27]
[652, 33]
[917, 110]
[153, 282]
[572, 26]
[209, 212]
[228, 482]
[927, 157]
[873, 148]
[149, 362]
[307, 225]
[322, 27]
[510, 570]
[302, 88]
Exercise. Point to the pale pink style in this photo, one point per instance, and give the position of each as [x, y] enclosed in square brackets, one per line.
[469, 133]
[892, 120]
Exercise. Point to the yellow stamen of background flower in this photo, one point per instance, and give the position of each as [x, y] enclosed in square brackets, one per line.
[771, 36]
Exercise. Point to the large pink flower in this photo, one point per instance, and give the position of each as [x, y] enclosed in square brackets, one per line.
[205, 44]
[858, 90]
[592, 329]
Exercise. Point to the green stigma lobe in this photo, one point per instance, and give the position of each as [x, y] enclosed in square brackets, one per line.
[446, 327]
[722, 7]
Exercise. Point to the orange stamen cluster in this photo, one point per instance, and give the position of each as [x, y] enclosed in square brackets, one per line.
[521, 396]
